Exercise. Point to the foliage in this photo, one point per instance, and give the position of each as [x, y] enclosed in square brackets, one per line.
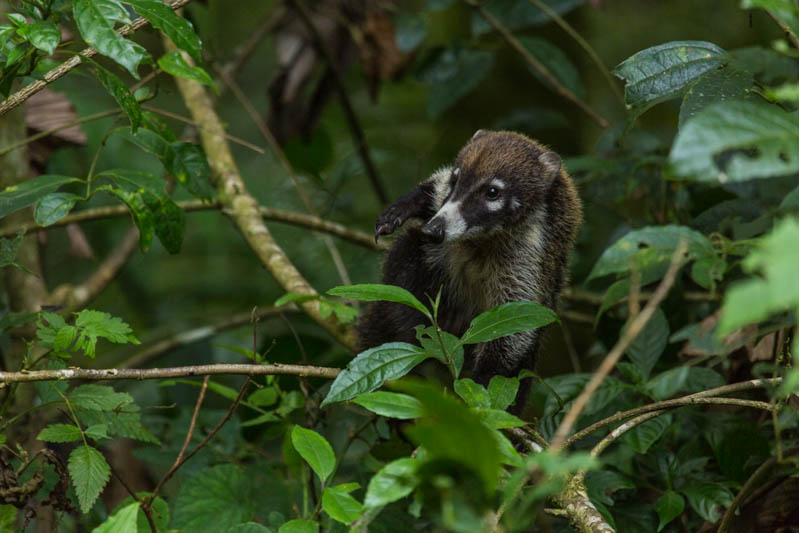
[702, 150]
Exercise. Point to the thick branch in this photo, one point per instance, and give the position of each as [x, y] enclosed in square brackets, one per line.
[29, 90]
[95, 374]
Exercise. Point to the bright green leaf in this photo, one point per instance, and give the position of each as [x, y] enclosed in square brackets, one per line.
[178, 29]
[98, 397]
[299, 526]
[122, 521]
[97, 431]
[502, 391]
[60, 433]
[44, 35]
[498, 419]
[390, 404]
[472, 393]
[392, 482]
[340, 505]
[53, 207]
[174, 63]
[89, 472]
[371, 292]
[315, 449]
[507, 319]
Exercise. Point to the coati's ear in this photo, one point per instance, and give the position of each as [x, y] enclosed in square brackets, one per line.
[478, 133]
[551, 163]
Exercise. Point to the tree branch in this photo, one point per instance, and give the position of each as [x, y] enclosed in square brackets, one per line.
[29, 90]
[114, 374]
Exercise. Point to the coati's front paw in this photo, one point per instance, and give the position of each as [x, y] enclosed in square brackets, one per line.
[392, 218]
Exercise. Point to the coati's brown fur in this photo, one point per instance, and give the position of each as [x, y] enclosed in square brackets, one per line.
[495, 227]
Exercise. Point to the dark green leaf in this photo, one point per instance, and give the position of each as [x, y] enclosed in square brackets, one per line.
[178, 29]
[152, 142]
[370, 369]
[188, 165]
[371, 292]
[250, 527]
[340, 505]
[174, 63]
[669, 506]
[601, 484]
[664, 71]
[170, 224]
[737, 140]
[89, 473]
[390, 404]
[411, 31]
[707, 499]
[96, 19]
[313, 154]
[502, 391]
[8, 252]
[685, 379]
[647, 347]
[556, 62]
[315, 449]
[16, 197]
[44, 35]
[53, 207]
[642, 436]
[214, 499]
[472, 393]
[507, 319]
[715, 86]
[453, 74]
[392, 482]
[514, 14]
[60, 433]
[121, 94]
[299, 526]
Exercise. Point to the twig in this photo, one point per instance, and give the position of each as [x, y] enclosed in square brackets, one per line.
[622, 429]
[269, 213]
[99, 374]
[583, 44]
[29, 90]
[596, 298]
[636, 325]
[536, 65]
[65, 125]
[791, 35]
[344, 99]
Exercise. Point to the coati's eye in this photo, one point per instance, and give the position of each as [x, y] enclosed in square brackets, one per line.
[492, 193]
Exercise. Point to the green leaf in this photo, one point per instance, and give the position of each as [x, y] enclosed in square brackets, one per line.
[122, 521]
[515, 15]
[344, 313]
[783, 10]
[472, 393]
[89, 472]
[371, 292]
[174, 63]
[373, 367]
[15, 197]
[497, 418]
[685, 379]
[178, 29]
[134, 180]
[507, 319]
[142, 216]
[96, 324]
[392, 482]
[313, 154]
[664, 71]
[707, 499]
[299, 526]
[97, 431]
[250, 527]
[315, 449]
[125, 422]
[98, 398]
[429, 339]
[186, 162]
[214, 499]
[44, 35]
[340, 505]
[64, 338]
[453, 74]
[295, 297]
[776, 256]
[502, 391]
[8, 257]
[410, 33]
[718, 85]
[121, 94]
[96, 19]
[737, 140]
[390, 404]
[556, 62]
[170, 224]
[53, 207]
[60, 433]
[669, 506]
[647, 347]
[642, 436]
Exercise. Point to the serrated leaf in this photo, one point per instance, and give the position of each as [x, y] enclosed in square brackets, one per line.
[392, 482]
[707, 499]
[472, 393]
[44, 35]
[372, 292]
[96, 19]
[125, 422]
[737, 140]
[390, 404]
[340, 505]
[16, 197]
[299, 526]
[507, 319]
[122, 521]
[718, 85]
[186, 162]
[315, 449]
[60, 433]
[214, 499]
[174, 63]
[64, 338]
[502, 391]
[556, 62]
[453, 74]
[53, 207]
[647, 347]
[98, 398]
[178, 29]
[373, 367]
[101, 324]
[664, 71]
[642, 436]
[97, 431]
[121, 94]
[669, 506]
[89, 472]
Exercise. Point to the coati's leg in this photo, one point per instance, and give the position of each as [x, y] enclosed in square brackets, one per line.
[421, 202]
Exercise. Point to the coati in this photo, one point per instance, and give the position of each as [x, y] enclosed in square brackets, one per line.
[495, 227]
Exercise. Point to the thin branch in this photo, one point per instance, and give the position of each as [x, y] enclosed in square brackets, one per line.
[622, 429]
[65, 125]
[596, 298]
[344, 99]
[785, 28]
[99, 374]
[536, 65]
[635, 326]
[583, 44]
[29, 90]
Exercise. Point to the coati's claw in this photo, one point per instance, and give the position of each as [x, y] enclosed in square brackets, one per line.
[388, 221]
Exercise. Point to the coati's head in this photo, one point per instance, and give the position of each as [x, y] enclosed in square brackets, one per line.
[499, 180]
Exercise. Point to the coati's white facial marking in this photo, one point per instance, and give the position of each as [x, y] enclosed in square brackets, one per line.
[515, 203]
[494, 195]
[453, 220]
[440, 179]
[456, 172]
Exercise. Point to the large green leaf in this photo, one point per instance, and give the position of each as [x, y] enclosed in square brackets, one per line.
[342, 507]
[502, 391]
[371, 292]
[89, 472]
[472, 393]
[42, 34]
[98, 398]
[121, 94]
[392, 482]
[15, 197]
[133, 180]
[174, 63]
[708, 499]
[315, 449]
[737, 140]
[178, 29]
[718, 85]
[373, 367]
[53, 207]
[452, 74]
[390, 404]
[299, 525]
[214, 499]
[122, 521]
[96, 19]
[507, 319]
[664, 71]
[669, 506]
[142, 215]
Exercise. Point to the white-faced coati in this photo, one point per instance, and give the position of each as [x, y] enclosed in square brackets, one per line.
[495, 227]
